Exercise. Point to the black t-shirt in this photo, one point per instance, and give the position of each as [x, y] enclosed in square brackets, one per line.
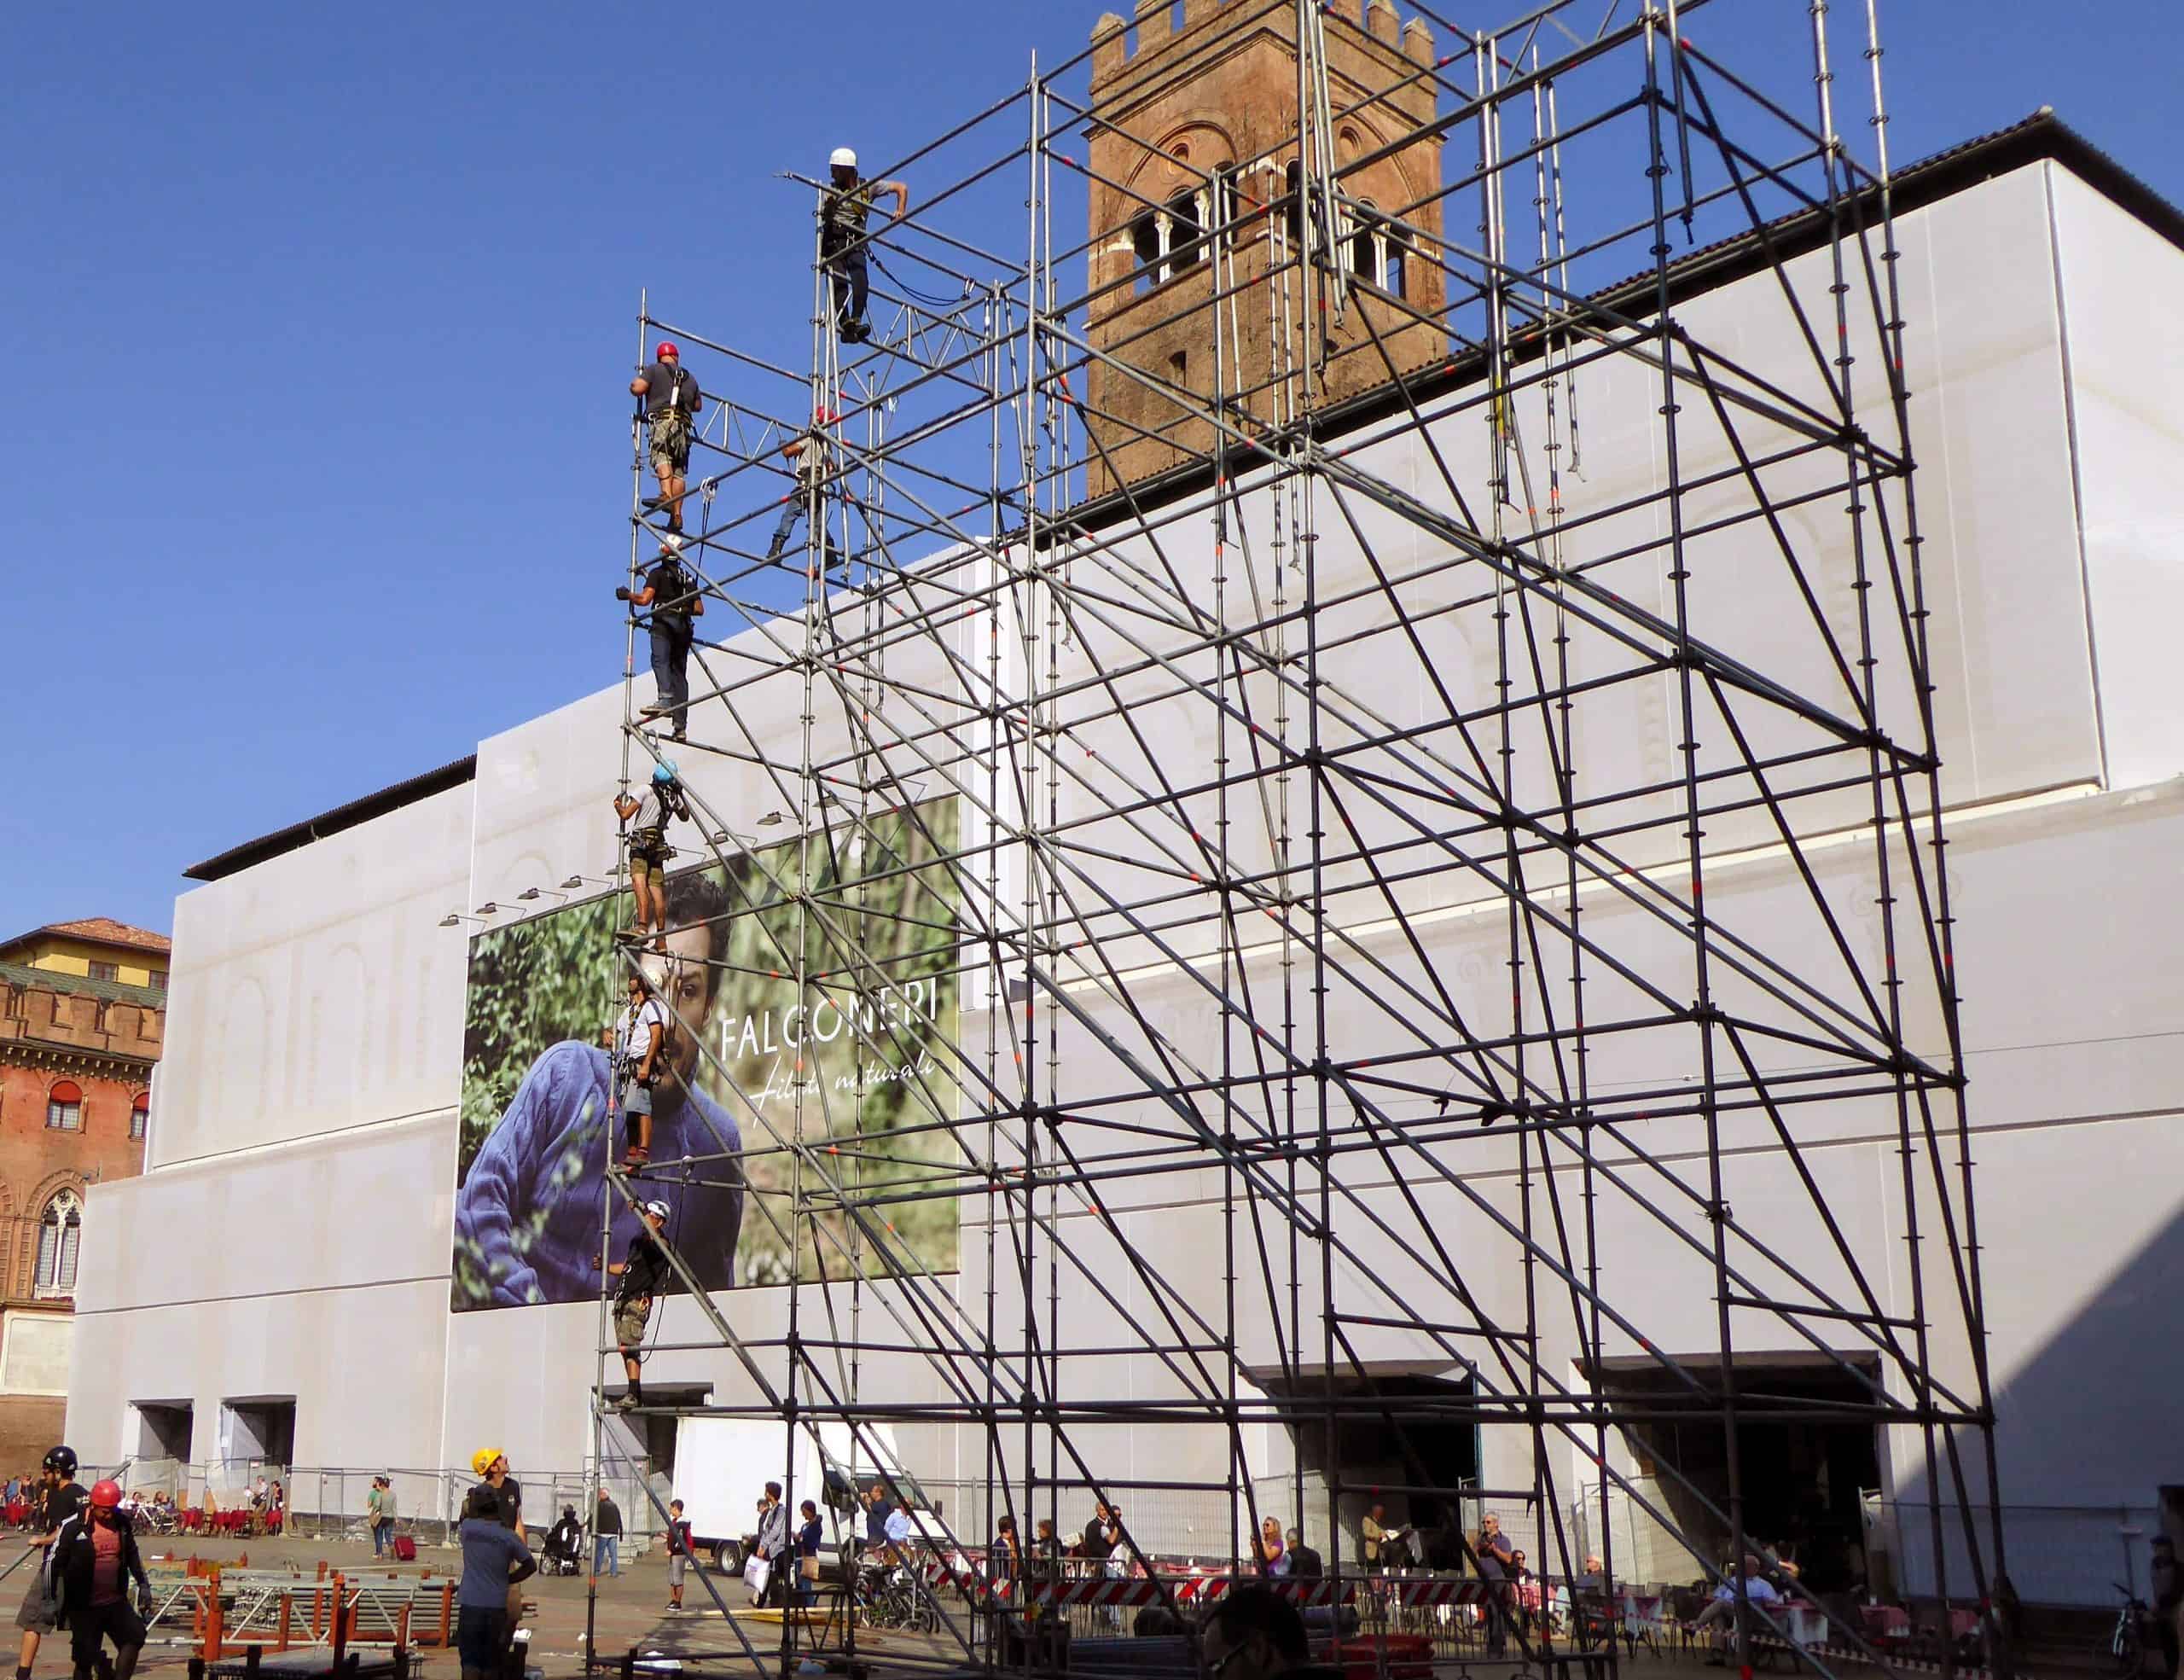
[511, 1497]
[663, 385]
[646, 1271]
[669, 583]
[61, 1503]
[678, 1537]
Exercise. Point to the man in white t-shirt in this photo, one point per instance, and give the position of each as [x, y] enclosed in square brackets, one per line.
[1756, 1588]
[640, 1046]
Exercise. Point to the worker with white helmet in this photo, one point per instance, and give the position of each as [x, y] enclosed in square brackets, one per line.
[843, 207]
[645, 1276]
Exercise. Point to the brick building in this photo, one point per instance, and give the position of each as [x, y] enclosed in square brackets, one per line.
[83, 1008]
[1195, 132]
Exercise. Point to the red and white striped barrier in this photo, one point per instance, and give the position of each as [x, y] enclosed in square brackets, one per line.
[1419, 1594]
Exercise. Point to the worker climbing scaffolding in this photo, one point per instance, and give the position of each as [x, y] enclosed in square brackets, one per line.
[671, 405]
[674, 601]
[641, 1277]
[844, 243]
[648, 816]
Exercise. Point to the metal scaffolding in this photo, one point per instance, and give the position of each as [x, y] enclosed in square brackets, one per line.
[1406, 868]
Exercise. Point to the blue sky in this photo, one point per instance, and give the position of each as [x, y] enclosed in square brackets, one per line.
[318, 321]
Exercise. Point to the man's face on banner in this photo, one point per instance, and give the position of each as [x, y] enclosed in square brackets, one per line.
[681, 978]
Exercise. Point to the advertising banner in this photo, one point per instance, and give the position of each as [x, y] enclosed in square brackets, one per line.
[860, 1056]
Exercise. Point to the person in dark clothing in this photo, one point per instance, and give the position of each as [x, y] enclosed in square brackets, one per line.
[1254, 1633]
[1495, 1558]
[1045, 1562]
[876, 1517]
[675, 602]
[94, 1560]
[495, 1559]
[606, 1536]
[809, 1533]
[1005, 1557]
[1099, 1538]
[644, 1276]
[491, 1465]
[672, 400]
[1305, 1563]
[565, 1542]
[59, 1500]
[843, 207]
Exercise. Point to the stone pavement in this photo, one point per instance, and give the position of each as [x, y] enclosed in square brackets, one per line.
[630, 1613]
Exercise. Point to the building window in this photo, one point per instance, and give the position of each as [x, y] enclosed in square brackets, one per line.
[158, 980]
[59, 1236]
[64, 1106]
[1169, 238]
[105, 971]
[140, 1115]
[1376, 251]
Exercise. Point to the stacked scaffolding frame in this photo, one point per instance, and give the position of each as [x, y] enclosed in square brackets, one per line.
[1409, 868]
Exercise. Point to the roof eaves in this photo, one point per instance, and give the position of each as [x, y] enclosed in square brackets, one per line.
[297, 836]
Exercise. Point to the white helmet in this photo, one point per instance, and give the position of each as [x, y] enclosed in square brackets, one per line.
[657, 1209]
[843, 157]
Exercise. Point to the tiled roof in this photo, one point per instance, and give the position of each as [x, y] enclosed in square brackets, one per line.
[80, 985]
[105, 930]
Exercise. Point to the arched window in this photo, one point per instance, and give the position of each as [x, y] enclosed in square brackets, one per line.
[60, 1233]
[64, 1106]
[1376, 251]
[1186, 229]
[1168, 238]
[140, 1114]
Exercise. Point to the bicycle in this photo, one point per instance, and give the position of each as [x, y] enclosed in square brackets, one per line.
[2126, 1648]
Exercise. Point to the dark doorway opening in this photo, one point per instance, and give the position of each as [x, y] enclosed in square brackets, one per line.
[258, 1430]
[1801, 1474]
[1401, 1440]
[164, 1429]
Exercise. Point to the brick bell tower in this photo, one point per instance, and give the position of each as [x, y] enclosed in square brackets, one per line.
[1195, 126]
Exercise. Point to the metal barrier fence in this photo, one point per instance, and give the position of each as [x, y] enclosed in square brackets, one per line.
[2059, 1554]
[327, 1501]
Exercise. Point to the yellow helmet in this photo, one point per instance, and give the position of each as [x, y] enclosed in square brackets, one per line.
[482, 1460]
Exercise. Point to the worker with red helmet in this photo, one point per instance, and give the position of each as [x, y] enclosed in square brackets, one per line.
[671, 400]
[94, 1562]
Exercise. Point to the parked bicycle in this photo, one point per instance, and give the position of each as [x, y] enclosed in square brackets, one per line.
[2127, 1641]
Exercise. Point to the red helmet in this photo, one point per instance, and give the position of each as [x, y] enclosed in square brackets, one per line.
[105, 1495]
[667, 348]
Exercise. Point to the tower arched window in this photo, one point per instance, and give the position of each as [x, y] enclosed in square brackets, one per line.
[1186, 229]
[1166, 239]
[60, 1236]
[140, 1115]
[1376, 250]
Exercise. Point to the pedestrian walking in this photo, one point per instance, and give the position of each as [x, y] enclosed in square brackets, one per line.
[94, 1560]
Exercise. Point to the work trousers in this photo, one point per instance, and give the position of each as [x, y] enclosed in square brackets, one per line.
[670, 665]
